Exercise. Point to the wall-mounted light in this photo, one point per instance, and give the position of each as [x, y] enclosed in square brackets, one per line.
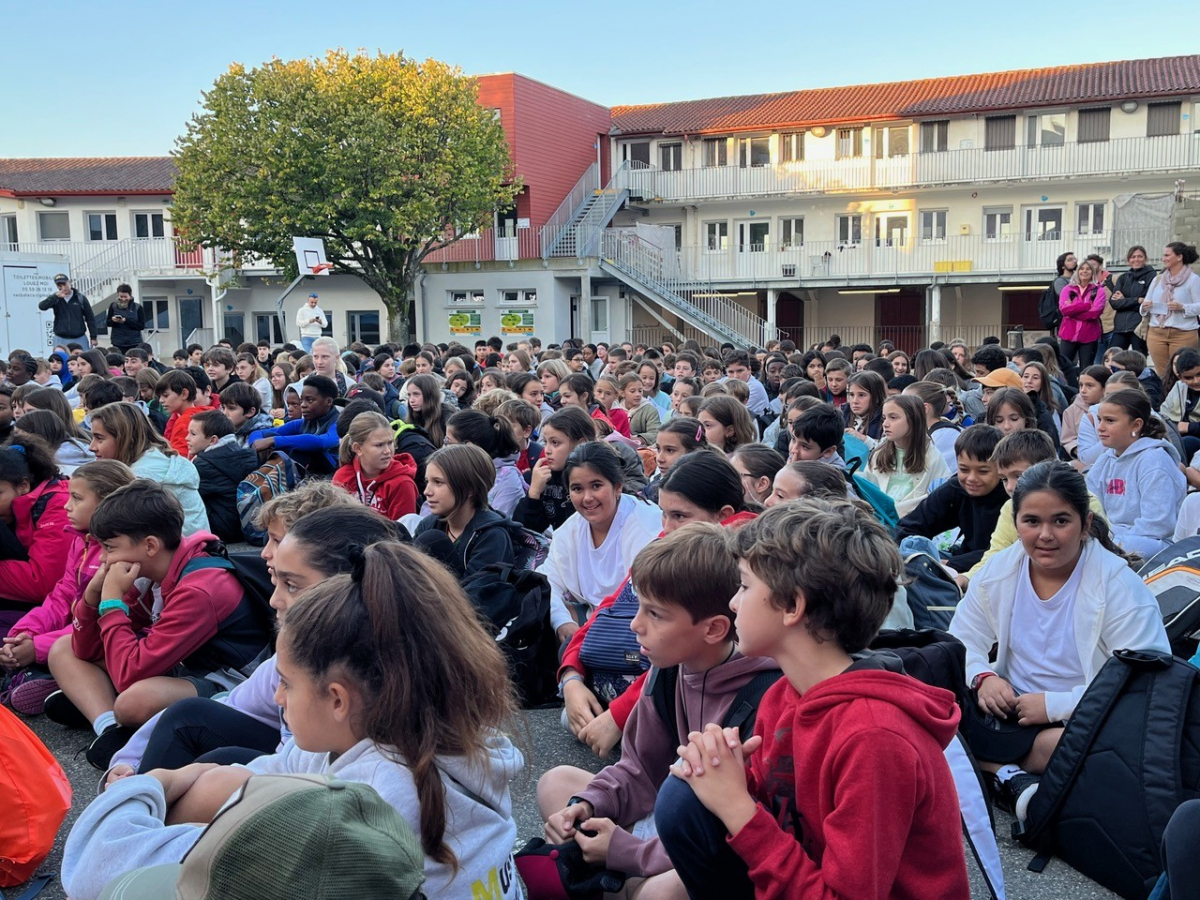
[1129, 106]
[120, 201]
[47, 201]
[873, 291]
[819, 131]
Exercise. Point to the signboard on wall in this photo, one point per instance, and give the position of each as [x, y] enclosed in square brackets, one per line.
[22, 286]
[466, 322]
[516, 321]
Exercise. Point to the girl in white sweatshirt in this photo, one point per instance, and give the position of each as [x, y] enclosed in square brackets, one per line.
[906, 464]
[387, 678]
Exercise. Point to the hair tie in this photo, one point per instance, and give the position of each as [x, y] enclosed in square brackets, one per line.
[357, 557]
[699, 434]
[18, 448]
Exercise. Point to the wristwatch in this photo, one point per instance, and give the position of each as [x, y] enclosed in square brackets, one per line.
[979, 679]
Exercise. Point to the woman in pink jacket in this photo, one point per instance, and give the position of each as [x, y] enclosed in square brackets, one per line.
[1081, 303]
[24, 651]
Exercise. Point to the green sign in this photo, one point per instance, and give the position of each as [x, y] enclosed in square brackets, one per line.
[517, 321]
[466, 323]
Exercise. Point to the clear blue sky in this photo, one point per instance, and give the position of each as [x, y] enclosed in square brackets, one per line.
[99, 79]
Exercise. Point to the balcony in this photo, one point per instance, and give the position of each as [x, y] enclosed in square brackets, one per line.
[489, 246]
[948, 259]
[142, 256]
[1126, 156]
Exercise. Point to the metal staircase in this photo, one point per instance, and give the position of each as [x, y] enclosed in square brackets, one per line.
[580, 235]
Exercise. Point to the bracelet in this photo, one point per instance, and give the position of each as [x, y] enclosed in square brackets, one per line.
[107, 606]
[562, 684]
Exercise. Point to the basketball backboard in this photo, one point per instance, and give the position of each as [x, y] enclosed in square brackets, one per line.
[310, 256]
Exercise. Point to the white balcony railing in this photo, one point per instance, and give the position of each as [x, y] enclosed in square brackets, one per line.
[953, 255]
[1126, 156]
[96, 266]
[489, 245]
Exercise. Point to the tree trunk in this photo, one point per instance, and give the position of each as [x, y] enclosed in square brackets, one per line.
[398, 302]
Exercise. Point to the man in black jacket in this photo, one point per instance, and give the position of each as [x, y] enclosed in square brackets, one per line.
[125, 320]
[73, 319]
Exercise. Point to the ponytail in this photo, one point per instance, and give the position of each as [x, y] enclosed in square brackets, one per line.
[492, 434]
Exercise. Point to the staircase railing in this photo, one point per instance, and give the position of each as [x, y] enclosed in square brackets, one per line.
[116, 259]
[584, 188]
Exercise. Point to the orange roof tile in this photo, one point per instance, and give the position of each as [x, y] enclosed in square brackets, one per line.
[115, 175]
[1090, 83]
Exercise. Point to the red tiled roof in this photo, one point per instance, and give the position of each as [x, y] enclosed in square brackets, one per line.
[116, 175]
[1094, 82]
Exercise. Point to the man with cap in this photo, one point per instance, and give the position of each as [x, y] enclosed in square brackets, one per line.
[311, 321]
[279, 837]
[73, 319]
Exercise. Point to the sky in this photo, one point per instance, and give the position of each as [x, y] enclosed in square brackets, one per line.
[104, 79]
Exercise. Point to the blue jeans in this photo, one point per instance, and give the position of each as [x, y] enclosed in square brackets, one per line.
[306, 343]
[695, 840]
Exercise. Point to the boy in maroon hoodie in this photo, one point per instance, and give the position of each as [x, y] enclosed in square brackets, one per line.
[155, 620]
[683, 583]
[844, 790]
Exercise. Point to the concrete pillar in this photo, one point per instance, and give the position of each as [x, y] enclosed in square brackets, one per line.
[772, 300]
[933, 315]
[584, 321]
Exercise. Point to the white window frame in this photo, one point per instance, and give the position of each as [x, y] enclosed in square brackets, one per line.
[465, 298]
[627, 151]
[9, 230]
[1087, 215]
[719, 154]
[855, 139]
[670, 156]
[108, 217]
[933, 216]
[716, 236]
[882, 137]
[1035, 129]
[746, 147]
[152, 306]
[791, 147]
[43, 217]
[1002, 235]
[846, 225]
[789, 226]
[517, 296]
[355, 334]
[150, 215]
[275, 332]
[939, 129]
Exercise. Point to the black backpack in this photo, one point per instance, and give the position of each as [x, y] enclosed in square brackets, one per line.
[661, 685]
[251, 571]
[1129, 756]
[1173, 576]
[1048, 310]
[929, 655]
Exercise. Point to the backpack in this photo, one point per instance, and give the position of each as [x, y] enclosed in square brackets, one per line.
[37, 797]
[1129, 756]
[930, 655]
[943, 423]
[662, 684]
[609, 645]
[414, 440]
[1048, 310]
[1173, 576]
[933, 595]
[278, 475]
[874, 496]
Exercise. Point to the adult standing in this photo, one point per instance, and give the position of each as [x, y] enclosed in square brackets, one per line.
[311, 320]
[1048, 309]
[125, 320]
[1126, 299]
[1081, 303]
[73, 319]
[1173, 303]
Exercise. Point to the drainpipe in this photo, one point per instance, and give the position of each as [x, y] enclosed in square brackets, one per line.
[421, 305]
[214, 284]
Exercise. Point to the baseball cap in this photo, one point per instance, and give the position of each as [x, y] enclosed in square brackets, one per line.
[60, 278]
[288, 836]
[1000, 378]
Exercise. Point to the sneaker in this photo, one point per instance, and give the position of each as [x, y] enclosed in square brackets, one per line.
[58, 708]
[102, 749]
[1014, 794]
[29, 690]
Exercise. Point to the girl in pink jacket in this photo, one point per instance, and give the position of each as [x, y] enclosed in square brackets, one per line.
[24, 650]
[1081, 303]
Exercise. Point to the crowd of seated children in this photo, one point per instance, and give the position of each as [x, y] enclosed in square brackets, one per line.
[372, 471]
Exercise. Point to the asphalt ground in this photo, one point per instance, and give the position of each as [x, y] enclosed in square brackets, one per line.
[550, 745]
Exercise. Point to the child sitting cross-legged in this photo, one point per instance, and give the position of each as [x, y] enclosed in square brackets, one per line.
[683, 583]
[149, 629]
[221, 462]
[843, 791]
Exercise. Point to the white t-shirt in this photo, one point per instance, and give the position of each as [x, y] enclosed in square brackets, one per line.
[602, 569]
[1042, 656]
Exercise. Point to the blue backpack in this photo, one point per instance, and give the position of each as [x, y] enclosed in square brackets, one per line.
[276, 476]
[868, 491]
[609, 645]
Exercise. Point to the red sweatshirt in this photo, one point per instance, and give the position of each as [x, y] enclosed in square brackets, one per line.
[177, 429]
[140, 646]
[393, 492]
[855, 797]
[47, 544]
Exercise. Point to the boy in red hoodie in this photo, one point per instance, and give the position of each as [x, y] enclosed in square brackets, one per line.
[157, 619]
[683, 583]
[177, 393]
[844, 790]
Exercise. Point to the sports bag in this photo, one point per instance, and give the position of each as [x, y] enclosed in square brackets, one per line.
[37, 796]
[1129, 756]
[276, 476]
[609, 645]
[1173, 576]
[933, 595]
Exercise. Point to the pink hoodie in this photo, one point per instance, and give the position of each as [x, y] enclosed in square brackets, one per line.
[50, 621]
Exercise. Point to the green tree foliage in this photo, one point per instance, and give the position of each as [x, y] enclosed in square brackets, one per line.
[385, 158]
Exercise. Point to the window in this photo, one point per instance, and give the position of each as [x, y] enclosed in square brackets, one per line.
[935, 137]
[1091, 218]
[1044, 223]
[891, 141]
[1163, 119]
[670, 157]
[716, 235]
[1000, 133]
[754, 152]
[791, 147]
[101, 226]
[1046, 130]
[461, 297]
[792, 231]
[55, 226]
[716, 152]
[637, 154]
[849, 229]
[933, 225]
[849, 143]
[235, 327]
[266, 328]
[676, 227]
[518, 298]
[997, 223]
[158, 314]
[363, 326]
[1093, 124]
[600, 315]
[148, 225]
[8, 230]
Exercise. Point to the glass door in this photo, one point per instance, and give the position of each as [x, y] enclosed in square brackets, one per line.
[506, 233]
[1042, 236]
[753, 243]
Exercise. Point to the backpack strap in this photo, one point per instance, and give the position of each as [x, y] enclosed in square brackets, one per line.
[36, 886]
[742, 712]
[661, 685]
[206, 562]
[39, 506]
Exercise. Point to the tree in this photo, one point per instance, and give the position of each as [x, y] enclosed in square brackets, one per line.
[385, 158]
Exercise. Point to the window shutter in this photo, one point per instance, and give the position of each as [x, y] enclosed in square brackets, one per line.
[1000, 133]
[1163, 119]
[1093, 125]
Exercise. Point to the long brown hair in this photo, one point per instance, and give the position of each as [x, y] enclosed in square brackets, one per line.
[885, 456]
[430, 416]
[131, 432]
[402, 631]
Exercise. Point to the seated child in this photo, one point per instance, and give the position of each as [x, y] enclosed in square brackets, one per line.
[1135, 362]
[1055, 606]
[372, 470]
[817, 434]
[1181, 408]
[682, 586]
[221, 464]
[970, 501]
[847, 793]
[177, 393]
[904, 464]
[494, 436]
[525, 421]
[311, 440]
[240, 402]
[132, 654]
[25, 649]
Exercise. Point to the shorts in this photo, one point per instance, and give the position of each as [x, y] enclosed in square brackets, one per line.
[997, 740]
[205, 688]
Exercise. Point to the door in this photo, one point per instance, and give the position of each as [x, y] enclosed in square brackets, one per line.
[901, 319]
[506, 233]
[753, 244]
[891, 242]
[1043, 236]
[191, 317]
[789, 317]
[235, 327]
[600, 321]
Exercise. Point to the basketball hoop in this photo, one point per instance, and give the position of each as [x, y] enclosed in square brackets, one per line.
[321, 268]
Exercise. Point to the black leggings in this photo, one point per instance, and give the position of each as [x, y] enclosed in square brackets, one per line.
[1086, 353]
[199, 730]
